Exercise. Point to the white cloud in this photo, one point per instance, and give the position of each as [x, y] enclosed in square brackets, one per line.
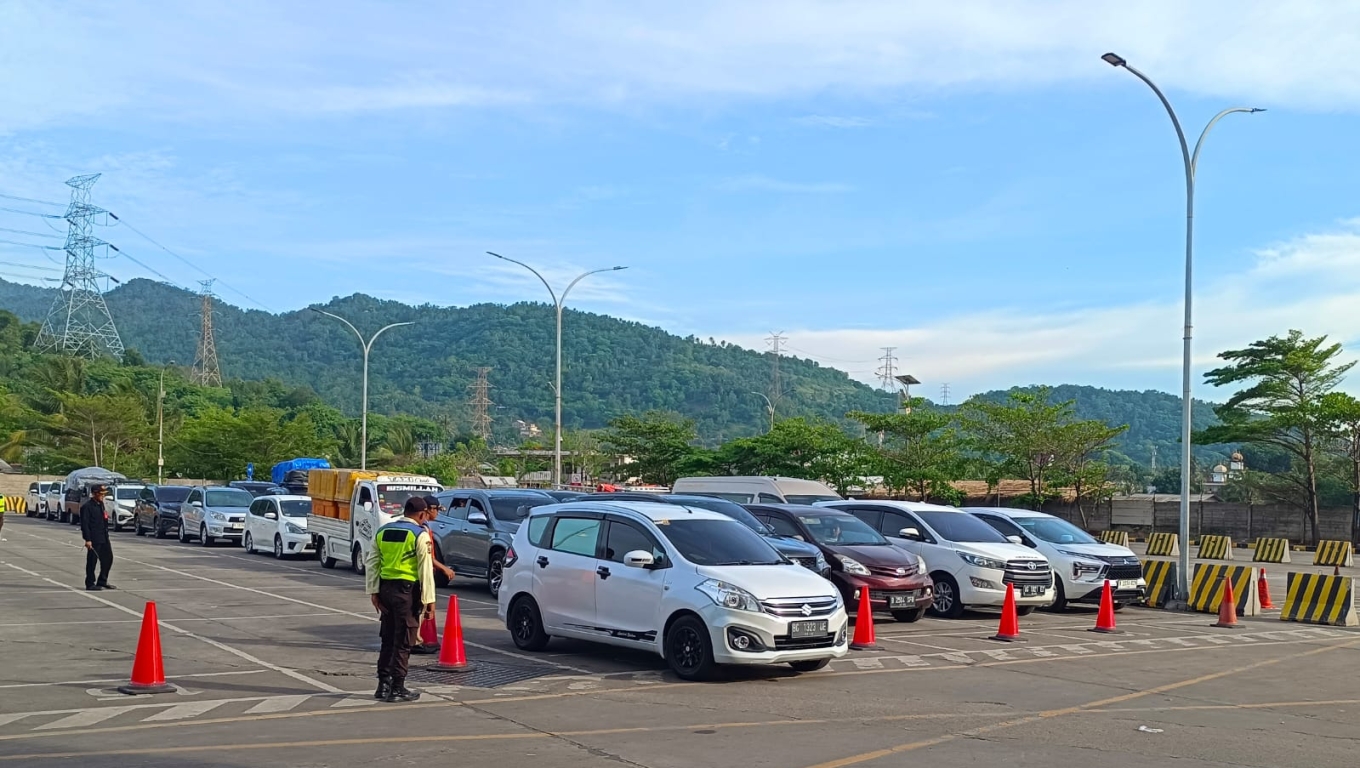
[1311, 283]
[758, 183]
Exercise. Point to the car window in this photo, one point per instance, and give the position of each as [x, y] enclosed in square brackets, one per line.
[295, 507]
[871, 517]
[537, 527]
[894, 522]
[769, 498]
[32, 487]
[147, 494]
[622, 538]
[194, 495]
[723, 507]
[515, 508]
[809, 499]
[740, 498]
[229, 497]
[962, 527]
[257, 508]
[1055, 530]
[1002, 525]
[841, 530]
[718, 542]
[455, 508]
[174, 494]
[784, 527]
[576, 535]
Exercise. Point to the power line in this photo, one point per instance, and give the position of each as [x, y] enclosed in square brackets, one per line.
[824, 357]
[156, 243]
[26, 232]
[31, 245]
[143, 265]
[31, 200]
[33, 213]
[29, 266]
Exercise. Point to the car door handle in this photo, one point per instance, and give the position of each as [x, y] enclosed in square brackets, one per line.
[542, 561]
[603, 571]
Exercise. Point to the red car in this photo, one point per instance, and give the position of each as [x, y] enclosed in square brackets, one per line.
[859, 556]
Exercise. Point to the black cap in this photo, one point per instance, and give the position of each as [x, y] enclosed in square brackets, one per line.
[414, 506]
[433, 503]
[99, 488]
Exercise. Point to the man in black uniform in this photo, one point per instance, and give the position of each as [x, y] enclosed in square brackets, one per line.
[399, 580]
[94, 528]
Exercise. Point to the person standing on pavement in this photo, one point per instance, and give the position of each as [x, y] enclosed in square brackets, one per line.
[94, 528]
[3, 509]
[399, 580]
[429, 634]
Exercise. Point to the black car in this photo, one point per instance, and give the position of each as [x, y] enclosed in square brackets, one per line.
[259, 488]
[475, 528]
[800, 552]
[157, 509]
[566, 495]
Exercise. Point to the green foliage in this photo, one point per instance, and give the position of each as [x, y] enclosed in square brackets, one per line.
[921, 451]
[657, 442]
[220, 442]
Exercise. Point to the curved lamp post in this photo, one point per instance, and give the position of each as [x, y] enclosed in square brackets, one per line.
[367, 347]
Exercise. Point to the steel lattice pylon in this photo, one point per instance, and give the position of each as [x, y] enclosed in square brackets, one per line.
[79, 323]
[481, 405]
[206, 370]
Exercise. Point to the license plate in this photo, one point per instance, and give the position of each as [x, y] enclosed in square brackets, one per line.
[1128, 584]
[799, 629]
[901, 601]
[235, 527]
[1032, 590]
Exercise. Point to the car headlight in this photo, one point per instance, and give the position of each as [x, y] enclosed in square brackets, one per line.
[853, 566]
[982, 562]
[729, 595]
[821, 563]
[291, 528]
[217, 516]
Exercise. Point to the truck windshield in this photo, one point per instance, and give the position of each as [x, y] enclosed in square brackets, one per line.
[392, 498]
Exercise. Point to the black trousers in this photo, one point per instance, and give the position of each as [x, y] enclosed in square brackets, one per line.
[399, 628]
[101, 553]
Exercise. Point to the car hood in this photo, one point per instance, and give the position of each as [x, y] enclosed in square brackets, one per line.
[996, 551]
[788, 546]
[876, 556]
[1099, 549]
[771, 581]
[227, 510]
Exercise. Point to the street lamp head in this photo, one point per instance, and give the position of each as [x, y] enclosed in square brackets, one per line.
[497, 255]
[1115, 60]
[616, 269]
[1254, 110]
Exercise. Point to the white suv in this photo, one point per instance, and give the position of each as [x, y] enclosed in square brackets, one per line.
[969, 561]
[694, 586]
[1082, 562]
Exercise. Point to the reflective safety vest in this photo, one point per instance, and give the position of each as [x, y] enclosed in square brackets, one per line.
[4, 503]
[396, 543]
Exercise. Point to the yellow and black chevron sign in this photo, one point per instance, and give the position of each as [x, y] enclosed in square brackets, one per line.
[1206, 588]
[1215, 548]
[1271, 551]
[1163, 545]
[1160, 576]
[1316, 599]
[16, 505]
[1334, 553]
[1120, 538]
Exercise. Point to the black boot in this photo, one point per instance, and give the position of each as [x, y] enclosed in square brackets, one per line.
[384, 688]
[400, 692]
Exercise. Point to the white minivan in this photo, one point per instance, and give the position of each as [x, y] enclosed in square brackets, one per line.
[969, 561]
[757, 490]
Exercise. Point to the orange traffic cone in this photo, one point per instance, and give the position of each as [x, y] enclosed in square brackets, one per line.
[1264, 590]
[452, 656]
[429, 637]
[1227, 610]
[864, 624]
[1009, 631]
[148, 670]
[1105, 619]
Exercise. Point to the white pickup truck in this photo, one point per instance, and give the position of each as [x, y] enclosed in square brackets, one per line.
[344, 530]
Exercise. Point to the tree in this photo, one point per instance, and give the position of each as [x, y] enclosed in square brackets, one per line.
[220, 442]
[101, 427]
[1081, 445]
[920, 452]
[655, 442]
[1287, 380]
[1343, 413]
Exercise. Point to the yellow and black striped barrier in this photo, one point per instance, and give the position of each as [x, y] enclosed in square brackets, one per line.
[1271, 551]
[1215, 548]
[1206, 588]
[1120, 538]
[1334, 553]
[1160, 576]
[1313, 598]
[1163, 545]
[16, 505]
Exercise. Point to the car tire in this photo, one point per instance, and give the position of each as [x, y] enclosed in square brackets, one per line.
[495, 572]
[947, 604]
[321, 556]
[248, 543]
[158, 528]
[526, 625]
[909, 617]
[689, 650]
[1119, 607]
[1060, 598]
[204, 540]
[811, 665]
[356, 560]
[1024, 610]
[182, 534]
[278, 547]
[137, 528]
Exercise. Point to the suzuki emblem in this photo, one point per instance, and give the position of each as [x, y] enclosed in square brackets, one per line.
[806, 609]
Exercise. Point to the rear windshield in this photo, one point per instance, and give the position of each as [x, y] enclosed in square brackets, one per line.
[295, 507]
[126, 493]
[841, 530]
[718, 542]
[228, 497]
[515, 508]
[961, 526]
[174, 494]
[724, 507]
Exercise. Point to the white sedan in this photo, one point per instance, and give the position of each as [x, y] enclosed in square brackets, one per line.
[278, 524]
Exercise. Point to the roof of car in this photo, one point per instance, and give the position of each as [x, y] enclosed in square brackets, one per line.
[910, 506]
[1008, 512]
[286, 497]
[652, 510]
[798, 509]
[500, 491]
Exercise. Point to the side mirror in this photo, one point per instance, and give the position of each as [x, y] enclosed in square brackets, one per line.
[1015, 540]
[910, 533]
[195, 503]
[368, 506]
[479, 518]
[271, 516]
[639, 559]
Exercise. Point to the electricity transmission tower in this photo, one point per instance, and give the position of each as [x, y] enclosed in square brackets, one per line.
[944, 393]
[776, 341]
[206, 370]
[888, 370]
[79, 323]
[481, 404]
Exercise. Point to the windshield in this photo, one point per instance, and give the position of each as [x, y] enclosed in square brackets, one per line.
[718, 542]
[962, 527]
[126, 493]
[175, 494]
[228, 497]
[841, 530]
[808, 500]
[1055, 530]
[392, 498]
[723, 507]
[515, 508]
[295, 507]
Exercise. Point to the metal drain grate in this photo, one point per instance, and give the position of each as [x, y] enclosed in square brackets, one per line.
[483, 674]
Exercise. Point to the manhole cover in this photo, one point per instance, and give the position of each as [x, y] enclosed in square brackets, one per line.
[483, 674]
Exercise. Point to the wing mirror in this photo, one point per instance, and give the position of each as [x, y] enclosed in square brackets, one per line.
[479, 518]
[368, 506]
[196, 504]
[911, 533]
[639, 558]
[1015, 540]
[271, 516]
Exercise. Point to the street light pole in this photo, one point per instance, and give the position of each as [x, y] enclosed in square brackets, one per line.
[1191, 162]
[160, 428]
[769, 407]
[367, 347]
[558, 302]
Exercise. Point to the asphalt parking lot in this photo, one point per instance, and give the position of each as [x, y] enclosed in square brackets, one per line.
[274, 664]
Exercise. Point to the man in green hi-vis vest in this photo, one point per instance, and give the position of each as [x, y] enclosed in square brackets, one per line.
[400, 568]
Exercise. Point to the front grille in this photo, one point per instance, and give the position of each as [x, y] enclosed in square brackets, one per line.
[809, 563]
[1117, 559]
[792, 607]
[1018, 572]
[1121, 572]
[804, 643]
[907, 570]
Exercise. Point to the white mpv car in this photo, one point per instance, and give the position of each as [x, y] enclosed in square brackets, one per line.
[278, 524]
[694, 586]
[969, 561]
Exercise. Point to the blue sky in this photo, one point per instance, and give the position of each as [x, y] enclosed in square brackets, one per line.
[971, 185]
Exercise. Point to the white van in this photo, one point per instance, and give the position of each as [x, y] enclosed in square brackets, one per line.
[757, 490]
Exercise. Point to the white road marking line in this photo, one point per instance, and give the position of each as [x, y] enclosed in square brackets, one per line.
[912, 661]
[1080, 650]
[868, 663]
[915, 642]
[85, 718]
[7, 719]
[277, 704]
[1042, 653]
[999, 655]
[178, 620]
[183, 711]
[124, 680]
[355, 702]
[957, 658]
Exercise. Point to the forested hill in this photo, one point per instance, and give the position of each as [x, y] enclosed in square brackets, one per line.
[611, 366]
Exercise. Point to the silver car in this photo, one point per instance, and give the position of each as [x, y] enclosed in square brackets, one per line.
[214, 512]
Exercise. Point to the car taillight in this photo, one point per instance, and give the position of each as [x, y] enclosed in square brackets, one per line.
[510, 557]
